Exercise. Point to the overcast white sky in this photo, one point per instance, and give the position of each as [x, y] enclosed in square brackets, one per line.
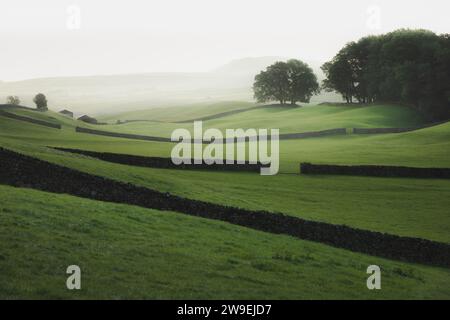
[85, 37]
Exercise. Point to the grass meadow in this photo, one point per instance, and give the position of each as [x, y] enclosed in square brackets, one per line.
[131, 252]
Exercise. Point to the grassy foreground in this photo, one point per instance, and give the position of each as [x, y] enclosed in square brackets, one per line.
[130, 252]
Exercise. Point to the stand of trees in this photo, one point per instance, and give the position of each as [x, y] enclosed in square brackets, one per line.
[411, 67]
[292, 81]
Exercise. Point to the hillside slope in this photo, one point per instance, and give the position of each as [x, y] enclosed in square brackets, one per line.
[132, 253]
[415, 205]
[285, 118]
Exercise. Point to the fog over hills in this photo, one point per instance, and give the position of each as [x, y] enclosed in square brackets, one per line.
[253, 65]
[101, 94]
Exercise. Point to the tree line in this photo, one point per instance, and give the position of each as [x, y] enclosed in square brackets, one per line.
[410, 67]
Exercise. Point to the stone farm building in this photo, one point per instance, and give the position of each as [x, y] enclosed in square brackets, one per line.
[88, 119]
[67, 113]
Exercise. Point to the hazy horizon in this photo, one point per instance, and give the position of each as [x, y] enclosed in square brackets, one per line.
[119, 92]
[60, 38]
[216, 69]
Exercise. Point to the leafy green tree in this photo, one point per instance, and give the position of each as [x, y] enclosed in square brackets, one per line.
[339, 76]
[272, 84]
[14, 100]
[302, 81]
[286, 81]
[41, 102]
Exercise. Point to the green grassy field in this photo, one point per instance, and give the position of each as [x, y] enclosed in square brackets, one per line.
[129, 252]
[288, 119]
[408, 207]
[179, 113]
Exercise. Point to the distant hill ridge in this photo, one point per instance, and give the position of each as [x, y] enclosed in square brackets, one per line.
[125, 92]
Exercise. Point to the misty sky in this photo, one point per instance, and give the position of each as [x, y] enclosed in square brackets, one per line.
[86, 37]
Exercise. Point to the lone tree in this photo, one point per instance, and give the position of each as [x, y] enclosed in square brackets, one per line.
[14, 100]
[41, 102]
[292, 81]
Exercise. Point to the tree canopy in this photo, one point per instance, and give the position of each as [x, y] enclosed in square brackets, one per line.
[14, 100]
[411, 67]
[292, 81]
[41, 102]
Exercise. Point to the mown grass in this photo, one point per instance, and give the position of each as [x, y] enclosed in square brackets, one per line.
[128, 252]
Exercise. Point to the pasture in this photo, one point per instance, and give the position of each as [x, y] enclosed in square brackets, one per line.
[131, 252]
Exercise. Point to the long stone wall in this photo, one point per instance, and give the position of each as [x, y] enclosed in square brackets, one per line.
[382, 130]
[23, 171]
[284, 136]
[121, 135]
[163, 163]
[375, 171]
[311, 134]
[394, 130]
[31, 120]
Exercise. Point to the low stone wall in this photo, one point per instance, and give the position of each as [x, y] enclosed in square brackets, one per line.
[381, 130]
[121, 135]
[394, 130]
[12, 106]
[284, 136]
[375, 171]
[27, 119]
[312, 134]
[131, 121]
[163, 163]
[23, 171]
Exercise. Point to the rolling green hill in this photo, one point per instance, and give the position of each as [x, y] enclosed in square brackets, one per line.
[304, 196]
[127, 252]
[406, 207]
[180, 113]
[288, 119]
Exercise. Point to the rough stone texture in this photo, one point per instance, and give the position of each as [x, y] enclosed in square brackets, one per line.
[375, 171]
[24, 171]
[164, 163]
